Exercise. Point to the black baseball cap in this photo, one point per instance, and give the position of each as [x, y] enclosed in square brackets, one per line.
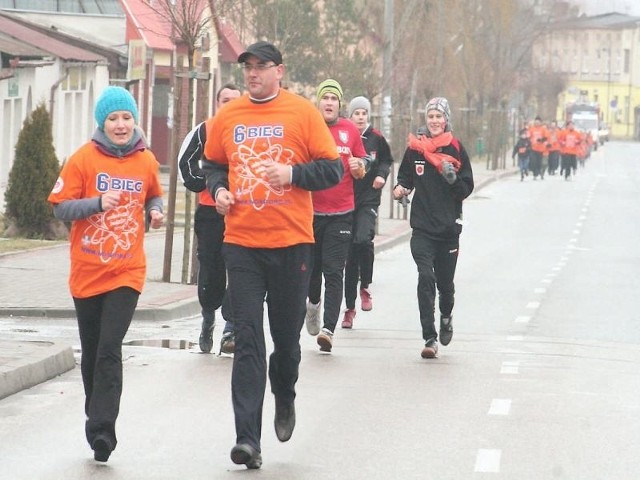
[265, 51]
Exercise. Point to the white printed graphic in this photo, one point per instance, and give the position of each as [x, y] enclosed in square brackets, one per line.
[252, 179]
[112, 233]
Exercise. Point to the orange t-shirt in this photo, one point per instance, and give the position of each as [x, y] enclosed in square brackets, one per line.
[107, 248]
[569, 141]
[288, 130]
[553, 140]
[537, 132]
[204, 198]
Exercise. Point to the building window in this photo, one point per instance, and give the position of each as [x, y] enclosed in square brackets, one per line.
[627, 60]
[76, 79]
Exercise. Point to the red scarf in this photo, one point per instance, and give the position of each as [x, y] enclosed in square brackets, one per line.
[427, 146]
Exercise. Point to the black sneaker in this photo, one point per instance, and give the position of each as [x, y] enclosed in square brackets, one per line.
[245, 454]
[101, 449]
[430, 349]
[227, 343]
[446, 329]
[206, 336]
[285, 420]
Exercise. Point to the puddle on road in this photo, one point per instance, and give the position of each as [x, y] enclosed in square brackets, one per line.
[162, 343]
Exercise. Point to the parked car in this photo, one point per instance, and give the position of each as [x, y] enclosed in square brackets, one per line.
[603, 132]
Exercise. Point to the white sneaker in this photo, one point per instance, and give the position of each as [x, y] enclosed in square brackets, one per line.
[312, 318]
[325, 340]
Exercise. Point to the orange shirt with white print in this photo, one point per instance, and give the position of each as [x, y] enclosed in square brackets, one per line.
[570, 141]
[537, 133]
[107, 248]
[289, 130]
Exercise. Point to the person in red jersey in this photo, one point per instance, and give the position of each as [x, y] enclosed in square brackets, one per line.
[368, 192]
[333, 219]
[105, 188]
[265, 152]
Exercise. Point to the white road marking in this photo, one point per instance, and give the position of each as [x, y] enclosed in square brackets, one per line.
[533, 305]
[488, 460]
[509, 368]
[500, 406]
[522, 319]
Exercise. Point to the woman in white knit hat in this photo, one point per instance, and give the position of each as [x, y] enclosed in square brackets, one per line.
[368, 191]
[437, 167]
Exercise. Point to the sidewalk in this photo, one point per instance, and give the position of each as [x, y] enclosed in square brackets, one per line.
[34, 284]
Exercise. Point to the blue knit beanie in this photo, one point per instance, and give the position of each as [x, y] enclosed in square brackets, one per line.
[114, 99]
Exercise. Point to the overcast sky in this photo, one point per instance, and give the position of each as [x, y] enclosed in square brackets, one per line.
[597, 7]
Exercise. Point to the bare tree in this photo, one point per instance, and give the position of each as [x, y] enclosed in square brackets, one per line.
[185, 22]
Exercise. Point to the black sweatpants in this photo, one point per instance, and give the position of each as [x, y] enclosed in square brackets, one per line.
[282, 275]
[535, 164]
[103, 321]
[361, 253]
[568, 164]
[333, 236]
[436, 261]
[212, 276]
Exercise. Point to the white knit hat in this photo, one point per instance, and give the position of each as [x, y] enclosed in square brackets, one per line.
[358, 102]
[442, 105]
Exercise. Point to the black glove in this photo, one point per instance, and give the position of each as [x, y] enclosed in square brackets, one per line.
[448, 172]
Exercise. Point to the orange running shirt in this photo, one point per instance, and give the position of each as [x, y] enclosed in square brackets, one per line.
[535, 134]
[107, 248]
[288, 130]
[569, 141]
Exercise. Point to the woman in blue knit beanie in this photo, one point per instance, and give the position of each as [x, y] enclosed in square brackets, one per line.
[107, 188]
[114, 99]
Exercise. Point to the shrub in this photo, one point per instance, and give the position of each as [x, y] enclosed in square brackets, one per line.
[32, 176]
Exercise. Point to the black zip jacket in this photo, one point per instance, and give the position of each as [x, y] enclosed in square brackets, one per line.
[522, 148]
[436, 206]
[189, 158]
[380, 163]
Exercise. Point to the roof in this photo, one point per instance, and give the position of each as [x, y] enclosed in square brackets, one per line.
[16, 32]
[107, 31]
[19, 49]
[149, 25]
[606, 21]
[104, 7]
[230, 45]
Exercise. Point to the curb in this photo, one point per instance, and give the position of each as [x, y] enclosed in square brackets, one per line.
[37, 363]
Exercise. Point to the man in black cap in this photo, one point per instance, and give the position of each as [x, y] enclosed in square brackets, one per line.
[265, 151]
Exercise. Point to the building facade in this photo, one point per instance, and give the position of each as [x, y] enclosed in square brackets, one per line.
[599, 57]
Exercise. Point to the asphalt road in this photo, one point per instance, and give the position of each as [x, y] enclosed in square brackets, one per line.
[541, 380]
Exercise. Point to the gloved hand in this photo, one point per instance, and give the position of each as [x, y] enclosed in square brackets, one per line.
[448, 172]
